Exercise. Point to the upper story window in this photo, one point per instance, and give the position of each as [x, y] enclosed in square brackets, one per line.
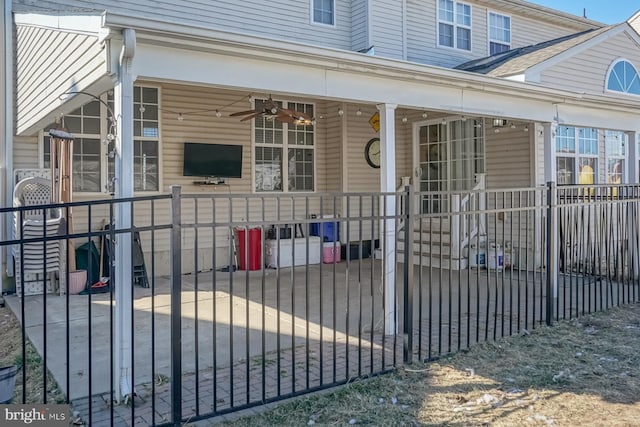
[92, 125]
[323, 11]
[454, 24]
[623, 77]
[499, 33]
[284, 152]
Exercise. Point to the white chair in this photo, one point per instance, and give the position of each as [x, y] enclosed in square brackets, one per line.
[37, 260]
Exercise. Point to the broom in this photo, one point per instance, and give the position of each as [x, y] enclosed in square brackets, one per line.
[102, 281]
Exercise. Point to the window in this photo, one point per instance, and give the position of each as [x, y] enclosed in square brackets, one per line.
[145, 140]
[623, 77]
[576, 155]
[93, 163]
[615, 148]
[273, 140]
[499, 33]
[454, 24]
[323, 11]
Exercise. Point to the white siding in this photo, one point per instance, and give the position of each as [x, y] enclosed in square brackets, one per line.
[588, 69]
[387, 28]
[287, 19]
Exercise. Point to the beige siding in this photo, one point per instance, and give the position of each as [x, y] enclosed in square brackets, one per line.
[589, 69]
[422, 43]
[25, 152]
[50, 63]
[508, 158]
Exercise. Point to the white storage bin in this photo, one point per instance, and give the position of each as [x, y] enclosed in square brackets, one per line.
[283, 246]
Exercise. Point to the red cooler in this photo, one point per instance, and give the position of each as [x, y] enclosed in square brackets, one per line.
[254, 248]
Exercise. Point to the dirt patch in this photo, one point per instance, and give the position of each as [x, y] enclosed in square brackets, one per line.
[583, 372]
[11, 354]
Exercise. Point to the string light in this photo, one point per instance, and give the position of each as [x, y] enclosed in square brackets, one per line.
[341, 112]
[359, 112]
[405, 119]
[217, 111]
[424, 115]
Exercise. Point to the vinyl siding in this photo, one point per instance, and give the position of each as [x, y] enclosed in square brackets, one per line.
[286, 20]
[422, 39]
[387, 28]
[359, 25]
[588, 69]
[49, 63]
[508, 158]
[509, 165]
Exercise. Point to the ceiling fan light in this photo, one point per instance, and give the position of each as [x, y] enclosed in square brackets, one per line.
[274, 110]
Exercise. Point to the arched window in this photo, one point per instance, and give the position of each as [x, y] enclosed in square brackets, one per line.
[623, 77]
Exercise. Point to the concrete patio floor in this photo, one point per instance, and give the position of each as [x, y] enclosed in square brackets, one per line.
[251, 337]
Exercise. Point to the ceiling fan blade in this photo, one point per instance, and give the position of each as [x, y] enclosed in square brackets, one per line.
[252, 116]
[285, 118]
[242, 113]
[299, 114]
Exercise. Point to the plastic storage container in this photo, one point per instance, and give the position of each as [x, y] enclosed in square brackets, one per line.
[292, 256]
[477, 255]
[330, 252]
[249, 253]
[496, 256]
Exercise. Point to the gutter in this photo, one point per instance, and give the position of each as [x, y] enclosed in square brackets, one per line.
[8, 128]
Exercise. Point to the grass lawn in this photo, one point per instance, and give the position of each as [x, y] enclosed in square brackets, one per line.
[580, 372]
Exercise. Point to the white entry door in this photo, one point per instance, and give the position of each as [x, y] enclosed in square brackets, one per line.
[447, 156]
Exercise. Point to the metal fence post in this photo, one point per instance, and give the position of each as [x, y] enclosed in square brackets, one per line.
[408, 276]
[552, 249]
[176, 303]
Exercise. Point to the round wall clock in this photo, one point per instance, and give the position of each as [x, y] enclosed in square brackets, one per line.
[372, 152]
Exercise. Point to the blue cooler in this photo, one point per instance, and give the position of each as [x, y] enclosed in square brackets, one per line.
[328, 231]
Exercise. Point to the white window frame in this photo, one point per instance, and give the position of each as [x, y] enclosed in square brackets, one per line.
[577, 155]
[312, 19]
[618, 157]
[285, 146]
[104, 150]
[611, 67]
[455, 26]
[491, 40]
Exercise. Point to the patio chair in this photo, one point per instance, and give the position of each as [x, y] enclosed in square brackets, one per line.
[39, 261]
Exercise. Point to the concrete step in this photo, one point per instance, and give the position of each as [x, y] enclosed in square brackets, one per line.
[435, 261]
[428, 236]
[428, 249]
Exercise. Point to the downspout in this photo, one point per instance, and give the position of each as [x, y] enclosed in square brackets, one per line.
[7, 160]
[124, 186]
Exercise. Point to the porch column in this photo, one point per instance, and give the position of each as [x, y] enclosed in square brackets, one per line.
[550, 175]
[123, 104]
[388, 226]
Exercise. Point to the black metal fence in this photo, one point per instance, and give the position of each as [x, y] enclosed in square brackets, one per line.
[234, 301]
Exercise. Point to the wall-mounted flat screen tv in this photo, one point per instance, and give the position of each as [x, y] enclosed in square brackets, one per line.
[212, 160]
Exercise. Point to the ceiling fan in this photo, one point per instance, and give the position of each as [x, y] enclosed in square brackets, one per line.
[271, 110]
